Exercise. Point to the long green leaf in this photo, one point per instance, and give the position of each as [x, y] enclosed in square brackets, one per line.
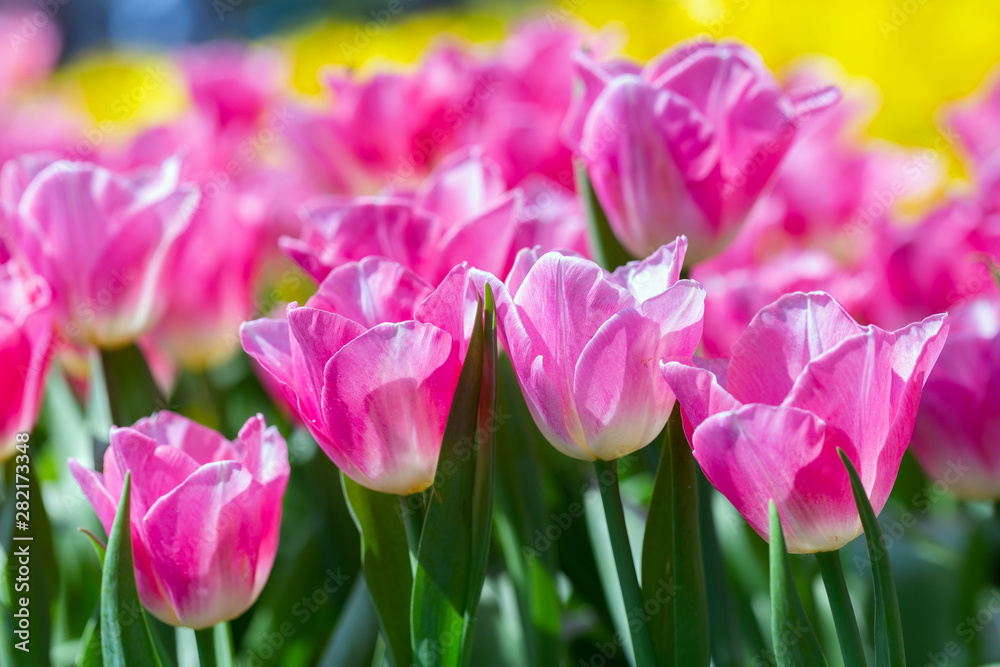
[889, 650]
[132, 392]
[723, 617]
[673, 574]
[125, 636]
[386, 558]
[605, 247]
[795, 642]
[840, 606]
[521, 517]
[452, 551]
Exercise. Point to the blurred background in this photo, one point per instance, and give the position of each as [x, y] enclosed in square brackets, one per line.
[916, 54]
[919, 52]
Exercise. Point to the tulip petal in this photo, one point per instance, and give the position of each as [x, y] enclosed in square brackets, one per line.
[210, 574]
[700, 389]
[626, 142]
[621, 400]
[484, 241]
[316, 337]
[452, 307]
[651, 276]
[759, 452]
[386, 397]
[849, 386]
[202, 444]
[780, 342]
[372, 291]
[461, 187]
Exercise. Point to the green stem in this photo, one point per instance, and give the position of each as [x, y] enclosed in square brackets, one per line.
[840, 604]
[206, 647]
[614, 513]
[413, 521]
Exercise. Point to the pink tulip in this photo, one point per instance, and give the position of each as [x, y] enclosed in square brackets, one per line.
[736, 292]
[461, 213]
[804, 380]
[585, 345]
[231, 82]
[936, 264]
[31, 45]
[392, 127]
[975, 121]
[957, 434]
[686, 145]
[100, 239]
[25, 338]
[371, 363]
[205, 512]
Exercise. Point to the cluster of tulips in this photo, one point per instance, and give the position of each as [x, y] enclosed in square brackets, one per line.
[690, 246]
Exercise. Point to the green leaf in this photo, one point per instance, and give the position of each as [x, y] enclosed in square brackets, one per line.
[605, 247]
[673, 574]
[795, 642]
[132, 392]
[723, 617]
[521, 516]
[100, 547]
[454, 543]
[888, 626]
[125, 636]
[386, 558]
[355, 635]
[840, 606]
[90, 642]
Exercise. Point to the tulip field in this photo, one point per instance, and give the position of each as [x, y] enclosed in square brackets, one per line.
[589, 334]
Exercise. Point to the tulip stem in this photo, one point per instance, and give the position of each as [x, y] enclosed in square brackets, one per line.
[215, 646]
[840, 604]
[206, 647]
[614, 514]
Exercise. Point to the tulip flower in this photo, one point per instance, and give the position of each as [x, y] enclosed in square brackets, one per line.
[686, 145]
[205, 512]
[955, 437]
[446, 222]
[371, 363]
[585, 345]
[804, 380]
[100, 239]
[25, 338]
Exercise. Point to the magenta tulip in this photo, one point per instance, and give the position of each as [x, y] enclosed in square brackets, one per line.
[446, 222]
[100, 239]
[585, 345]
[205, 512]
[957, 434]
[371, 363]
[804, 380]
[686, 145]
[25, 339]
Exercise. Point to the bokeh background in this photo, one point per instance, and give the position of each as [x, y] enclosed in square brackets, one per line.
[918, 54]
